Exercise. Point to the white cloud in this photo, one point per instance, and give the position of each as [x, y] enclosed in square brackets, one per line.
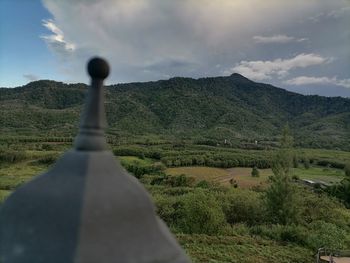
[304, 80]
[281, 39]
[148, 39]
[263, 70]
[56, 41]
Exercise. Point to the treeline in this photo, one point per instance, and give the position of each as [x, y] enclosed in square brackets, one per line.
[217, 160]
[26, 139]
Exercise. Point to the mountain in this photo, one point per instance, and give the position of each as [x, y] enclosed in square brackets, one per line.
[232, 108]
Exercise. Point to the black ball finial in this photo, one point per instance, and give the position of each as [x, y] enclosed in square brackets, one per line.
[98, 68]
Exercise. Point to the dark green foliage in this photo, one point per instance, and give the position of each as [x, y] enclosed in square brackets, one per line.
[180, 180]
[341, 191]
[327, 235]
[306, 163]
[347, 169]
[202, 214]
[211, 110]
[280, 195]
[8, 156]
[286, 233]
[203, 184]
[255, 172]
[330, 163]
[173, 180]
[47, 160]
[295, 162]
[242, 206]
[46, 147]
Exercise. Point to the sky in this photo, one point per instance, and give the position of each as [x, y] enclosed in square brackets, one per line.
[302, 46]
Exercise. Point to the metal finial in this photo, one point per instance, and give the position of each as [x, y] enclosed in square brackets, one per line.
[91, 135]
[98, 68]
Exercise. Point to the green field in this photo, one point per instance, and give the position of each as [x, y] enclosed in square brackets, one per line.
[244, 232]
[242, 175]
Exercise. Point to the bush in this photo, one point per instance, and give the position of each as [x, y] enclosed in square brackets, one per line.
[243, 206]
[306, 163]
[203, 184]
[47, 160]
[168, 208]
[327, 235]
[255, 172]
[283, 233]
[180, 180]
[347, 169]
[46, 147]
[201, 214]
[13, 156]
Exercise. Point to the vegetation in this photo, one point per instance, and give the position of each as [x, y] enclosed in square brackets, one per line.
[280, 196]
[220, 214]
[213, 111]
[347, 169]
[255, 172]
[224, 180]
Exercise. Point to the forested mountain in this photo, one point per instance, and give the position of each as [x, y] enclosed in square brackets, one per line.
[232, 108]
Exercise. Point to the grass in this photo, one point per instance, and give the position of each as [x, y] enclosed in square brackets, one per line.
[4, 194]
[316, 173]
[13, 175]
[242, 249]
[340, 156]
[201, 173]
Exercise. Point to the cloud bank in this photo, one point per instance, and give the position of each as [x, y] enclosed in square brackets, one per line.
[263, 70]
[156, 39]
[304, 80]
[281, 39]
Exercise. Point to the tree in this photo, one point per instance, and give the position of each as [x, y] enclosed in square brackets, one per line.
[306, 162]
[280, 196]
[347, 169]
[255, 172]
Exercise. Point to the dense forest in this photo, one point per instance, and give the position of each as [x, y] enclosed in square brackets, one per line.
[232, 109]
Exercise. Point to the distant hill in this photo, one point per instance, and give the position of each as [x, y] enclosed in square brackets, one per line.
[218, 108]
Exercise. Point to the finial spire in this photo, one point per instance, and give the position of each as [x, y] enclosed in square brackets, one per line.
[91, 135]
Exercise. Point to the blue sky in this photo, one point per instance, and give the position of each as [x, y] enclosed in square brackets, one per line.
[304, 49]
[24, 56]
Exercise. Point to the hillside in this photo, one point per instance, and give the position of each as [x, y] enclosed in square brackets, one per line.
[233, 108]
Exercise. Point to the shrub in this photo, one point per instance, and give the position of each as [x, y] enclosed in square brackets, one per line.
[285, 233]
[179, 180]
[168, 208]
[47, 160]
[306, 163]
[347, 169]
[327, 235]
[13, 156]
[203, 184]
[255, 172]
[202, 214]
[46, 147]
[243, 206]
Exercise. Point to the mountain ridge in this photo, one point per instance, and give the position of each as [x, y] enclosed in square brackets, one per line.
[232, 107]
